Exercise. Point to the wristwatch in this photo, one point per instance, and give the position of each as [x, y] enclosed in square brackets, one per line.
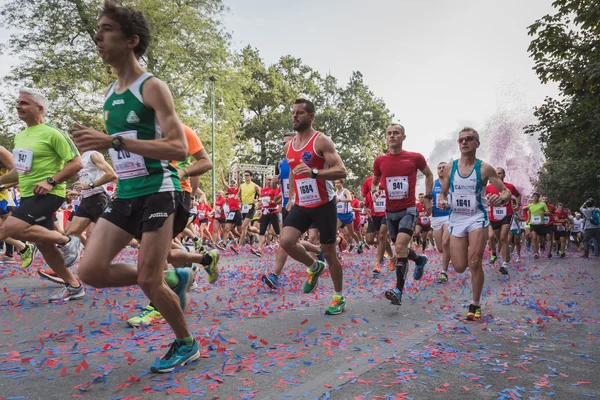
[91, 185]
[117, 143]
[315, 172]
[51, 181]
[429, 196]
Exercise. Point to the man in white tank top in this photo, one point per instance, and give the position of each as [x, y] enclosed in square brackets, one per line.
[466, 179]
[96, 172]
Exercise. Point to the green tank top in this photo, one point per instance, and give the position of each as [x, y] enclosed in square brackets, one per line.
[126, 115]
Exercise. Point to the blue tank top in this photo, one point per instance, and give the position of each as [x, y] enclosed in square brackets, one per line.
[284, 179]
[436, 212]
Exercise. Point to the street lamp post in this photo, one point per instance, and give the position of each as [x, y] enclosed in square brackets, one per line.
[212, 106]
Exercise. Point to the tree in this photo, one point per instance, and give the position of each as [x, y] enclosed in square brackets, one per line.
[566, 50]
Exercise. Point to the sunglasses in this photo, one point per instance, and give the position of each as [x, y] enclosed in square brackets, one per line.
[466, 139]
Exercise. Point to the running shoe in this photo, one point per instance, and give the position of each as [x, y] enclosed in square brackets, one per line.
[392, 264]
[350, 248]
[28, 255]
[562, 255]
[50, 275]
[212, 269]
[67, 293]
[493, 258]
[198, 246]
[147, 317]
[359, 249]
[518, 259]
[70, 251]
[420, 268]
[220, 246]
[504, 268]
[321, 256]
[550, 255]
[313, 277]
[443, 278]
[394, 295]
[186, 278]
[178, 354]
[271, 280]
[343, 245]
[337, 306]
[257, 253]
[474, 313]
[377, 270]
[536, 256]
[235, 249]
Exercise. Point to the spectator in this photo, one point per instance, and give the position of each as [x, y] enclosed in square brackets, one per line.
[591, 229]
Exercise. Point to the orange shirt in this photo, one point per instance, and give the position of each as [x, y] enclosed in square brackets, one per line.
[194, 146]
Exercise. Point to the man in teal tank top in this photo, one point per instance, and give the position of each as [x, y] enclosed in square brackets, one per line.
[466, 179]
[144, 135]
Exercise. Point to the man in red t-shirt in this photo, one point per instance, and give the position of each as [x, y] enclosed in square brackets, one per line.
[377, 226]
[500, 220]
[270, 197]
[356, 209]
[397, 173]
[560, 219]
[423, 223]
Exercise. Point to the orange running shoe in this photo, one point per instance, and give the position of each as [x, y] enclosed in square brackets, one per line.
[393, 264]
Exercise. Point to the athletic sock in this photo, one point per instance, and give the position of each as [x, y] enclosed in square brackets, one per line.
[413, 256]
[339, 294]
[401, 270]
[188, 341]
[315, 266]
[206, 259]
[171, 278]
[475, 303]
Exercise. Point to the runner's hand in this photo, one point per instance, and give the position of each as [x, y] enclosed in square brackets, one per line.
[90, 139]
[302, 169]
[428, 207]
[442, 204]
[495, 199]
[289, 206]
[81, 185]
[42, 188]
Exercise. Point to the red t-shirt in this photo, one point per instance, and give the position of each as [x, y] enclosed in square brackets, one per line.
[267, 199]
[560, 215]
[499, 212]
[525, 212]
[398, 173]
[355, 204]
[423, 218]
[547, 218]
[233, 201]
[219, 203]
[366, 191]
[203, 211]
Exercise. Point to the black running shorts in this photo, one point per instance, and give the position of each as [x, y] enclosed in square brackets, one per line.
[375, 224]
[92, 207]
[271, 218]
[147, 213]
[234, 217]
[504, 221]
[39, 210]
[323, 218]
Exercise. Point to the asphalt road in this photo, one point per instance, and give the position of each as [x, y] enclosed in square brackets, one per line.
[539, 337]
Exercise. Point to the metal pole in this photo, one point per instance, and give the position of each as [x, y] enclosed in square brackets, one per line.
[212, 106]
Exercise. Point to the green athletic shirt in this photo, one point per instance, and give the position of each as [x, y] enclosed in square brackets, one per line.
[51, 148]
[537, 210]
[125, 114]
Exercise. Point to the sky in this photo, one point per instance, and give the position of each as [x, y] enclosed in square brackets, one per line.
[438, 65]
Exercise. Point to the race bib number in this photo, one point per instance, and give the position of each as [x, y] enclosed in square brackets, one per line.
[23, 159]
[560, 228]
[286, 187]
[127, 165]
[546, 220]
[464, 204]
[379, 205]
[307, 192]
[536, 220]
[217, 214]
[340, 207]
[231, 216]
[499, 212]
[245, 208]
[265, 201]
[201, 214]
[424, 220]
[397, 187]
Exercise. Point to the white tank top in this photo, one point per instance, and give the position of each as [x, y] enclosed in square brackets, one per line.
[577, 225]
[342, 207]
[90, 173]
[467, 197]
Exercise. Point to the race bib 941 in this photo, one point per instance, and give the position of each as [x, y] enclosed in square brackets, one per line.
[397, 187]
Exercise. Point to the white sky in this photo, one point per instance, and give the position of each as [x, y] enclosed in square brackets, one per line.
[438, 65]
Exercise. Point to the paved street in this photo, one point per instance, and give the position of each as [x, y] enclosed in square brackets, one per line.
[539, 337]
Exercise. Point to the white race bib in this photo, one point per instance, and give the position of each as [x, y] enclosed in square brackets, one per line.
[379, 205]
[499, 212]
[340, 207]
[286, 187]
[307, 191]
[536, 220]
[127, 165]
[560, 228]
[266, 200]
[397, 187]
[23, 159]
[201, 214]
[464, 204]
[231, 216]
[424, 220]
[546, 220]
[217, 214]
[245, 208]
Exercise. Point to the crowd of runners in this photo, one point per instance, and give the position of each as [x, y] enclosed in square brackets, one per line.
[148, 196]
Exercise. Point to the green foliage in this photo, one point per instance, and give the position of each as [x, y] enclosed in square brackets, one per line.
[566, 50]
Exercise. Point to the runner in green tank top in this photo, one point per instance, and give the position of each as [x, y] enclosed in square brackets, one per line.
[144, 135]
